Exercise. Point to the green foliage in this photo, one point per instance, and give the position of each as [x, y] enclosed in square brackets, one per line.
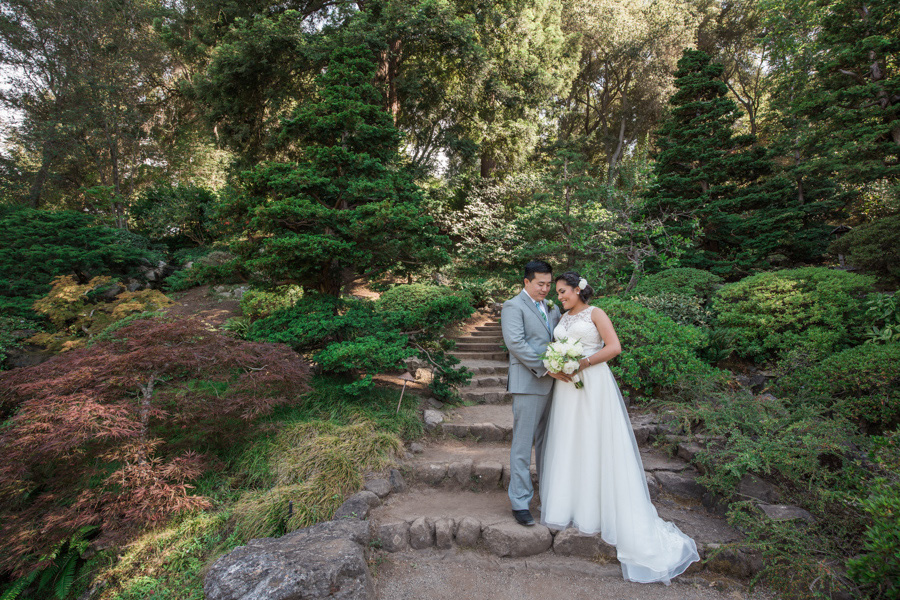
[685, 281]
[727, 193]
[877, 571]
[684, 310]
[874, 247]
[257, 303]
[861, 384]
[174, 213]
[37, 246]
[883, 313]
[63, 563]
[814, 308]
[232, 271]
[364, 338]
[657, 353]
[347, 204]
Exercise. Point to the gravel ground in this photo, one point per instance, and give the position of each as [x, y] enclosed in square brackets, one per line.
[470, 575]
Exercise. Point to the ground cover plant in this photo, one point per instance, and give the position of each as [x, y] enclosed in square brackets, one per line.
[772, 313]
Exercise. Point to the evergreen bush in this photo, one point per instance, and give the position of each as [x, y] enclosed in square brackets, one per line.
[874, 247]
[183, 213]
[259, 303]
[771, 313]
[861, 383]
[685, 281]
[360, 337]
[658, 354]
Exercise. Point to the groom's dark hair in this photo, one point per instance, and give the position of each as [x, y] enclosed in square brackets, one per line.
[536, 266]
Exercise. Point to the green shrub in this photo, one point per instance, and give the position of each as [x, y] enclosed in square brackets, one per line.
[684, 281]
[874, 247]
[258, 303]
[165, 212]
[37, 246]
[771, 313]
[658, 354]
[201, 274]
[354, 336]
[861, 383]
[684, 310]
[883, 318]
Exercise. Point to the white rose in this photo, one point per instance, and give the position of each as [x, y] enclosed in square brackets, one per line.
[570, 367]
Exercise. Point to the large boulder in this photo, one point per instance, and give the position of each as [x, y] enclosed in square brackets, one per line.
[326, 560]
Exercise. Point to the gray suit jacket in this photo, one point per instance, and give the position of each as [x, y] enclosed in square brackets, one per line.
[526, 337]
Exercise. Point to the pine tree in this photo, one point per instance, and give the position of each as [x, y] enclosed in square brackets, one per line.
[723, 188]
[346, 205]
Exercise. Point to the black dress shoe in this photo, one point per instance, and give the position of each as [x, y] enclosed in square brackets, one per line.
[523, 517]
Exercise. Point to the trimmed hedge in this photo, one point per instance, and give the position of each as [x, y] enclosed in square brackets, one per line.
[658, 354]
[684, 281]
[772, 313]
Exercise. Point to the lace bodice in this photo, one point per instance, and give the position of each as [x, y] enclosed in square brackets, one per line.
[580, 327]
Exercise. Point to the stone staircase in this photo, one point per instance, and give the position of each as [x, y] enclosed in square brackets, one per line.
[453, 496]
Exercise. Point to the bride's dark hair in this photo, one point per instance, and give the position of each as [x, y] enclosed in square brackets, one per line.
[572, 279]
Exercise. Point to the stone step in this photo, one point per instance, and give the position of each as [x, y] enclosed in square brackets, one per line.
[493, 333]
[486, 367]
[422, 518]
[494, 422]
[497, 356]
[495, 327]
[455, 574]
[482, 381]
[486, 395]
[477, 347]
[456, 463]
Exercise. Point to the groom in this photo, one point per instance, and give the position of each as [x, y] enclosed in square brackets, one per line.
[527, 325]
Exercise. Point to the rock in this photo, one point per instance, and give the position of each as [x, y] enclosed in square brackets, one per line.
[425, 376]
[443, 533]
[487, 473]
[572, 542]
[511, 539]
[216, 258]
[394, 537]
[688, 450]
[433, 418]
[357, 506]
[752, 486]
[239, 291]
[728, 560]
[642, 434]
[783, 512]
[150, 275]
[379, 487]
[758, 381]
[27, 355]
[459, 430]
[421, 534]
[487, 432]
[133, 287]
[652, 486]
[110, 293]
[681, 485]
[435, 403]
[715, 504]
[398, 484]
[416, 448]
[323, 561]
[468, 530]
[431, 473]
[460, 471]
[220, 289]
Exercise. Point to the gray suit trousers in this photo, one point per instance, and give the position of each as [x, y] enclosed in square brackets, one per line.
[530, 414]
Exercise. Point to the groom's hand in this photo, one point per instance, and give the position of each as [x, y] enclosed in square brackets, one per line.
[560, 376]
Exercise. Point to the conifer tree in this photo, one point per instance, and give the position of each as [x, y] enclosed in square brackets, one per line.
[346, 205]
[723, 188]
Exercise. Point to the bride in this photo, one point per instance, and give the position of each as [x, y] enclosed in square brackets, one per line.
[592, 476]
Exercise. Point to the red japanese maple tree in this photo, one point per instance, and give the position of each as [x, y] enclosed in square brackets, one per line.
[90, 439]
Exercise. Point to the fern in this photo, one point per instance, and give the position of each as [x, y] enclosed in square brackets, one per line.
[66, 577]
[18, 585]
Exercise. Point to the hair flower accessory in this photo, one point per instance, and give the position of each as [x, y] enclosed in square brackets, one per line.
[582, 283]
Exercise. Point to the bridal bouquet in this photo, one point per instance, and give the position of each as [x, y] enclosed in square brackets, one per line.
[562, 356]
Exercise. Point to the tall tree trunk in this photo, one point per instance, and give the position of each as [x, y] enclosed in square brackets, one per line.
[37, 186]
[488, 165]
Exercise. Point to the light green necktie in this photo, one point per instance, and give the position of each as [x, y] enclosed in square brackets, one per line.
[543, 316]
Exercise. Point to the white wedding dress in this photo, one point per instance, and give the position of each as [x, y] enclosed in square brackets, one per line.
[593, 477]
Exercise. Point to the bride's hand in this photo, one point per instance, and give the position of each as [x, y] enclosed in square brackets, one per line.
[560, 376]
